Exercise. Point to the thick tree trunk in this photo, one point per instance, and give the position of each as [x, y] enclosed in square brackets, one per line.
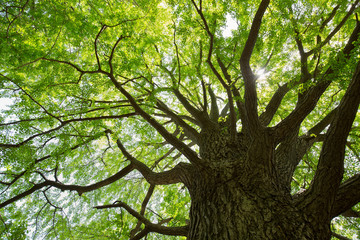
[240, 198]
[225, 211]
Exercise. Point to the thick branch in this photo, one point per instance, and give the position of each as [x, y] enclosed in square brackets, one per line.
[331, 162]
[273, 105]
[347, 196]
[24, 194]
[229, 92]
[320, 126]
[248, 75]
[291, 151]
[214, 109]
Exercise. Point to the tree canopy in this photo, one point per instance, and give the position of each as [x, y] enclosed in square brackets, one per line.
[109, 102]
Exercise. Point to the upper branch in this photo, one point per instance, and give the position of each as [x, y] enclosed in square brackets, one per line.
[199, 10]
[229, 90]
[188, 130]
[303, 58]
[182, 147]
[217, 74]
[310, 99]
[177, 55]
[248, 75]
[112, 53]
[96, 48]
[196, 113]
[331, 162]
[336, 29]
[319, 127]
[214, 109]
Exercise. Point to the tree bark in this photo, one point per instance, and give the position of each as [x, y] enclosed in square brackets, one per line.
[228, 211]
[240, 197]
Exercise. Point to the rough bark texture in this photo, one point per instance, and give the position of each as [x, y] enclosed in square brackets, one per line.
[228, 204]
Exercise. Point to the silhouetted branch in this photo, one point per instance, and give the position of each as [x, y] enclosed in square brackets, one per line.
[64, 123]
[274, 104]
[188, 130]
[338, 236]
[142, 211]
[112, 53]
[79, 189]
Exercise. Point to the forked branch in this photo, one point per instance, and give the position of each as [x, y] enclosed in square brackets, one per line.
[172, 231]
[164, 178]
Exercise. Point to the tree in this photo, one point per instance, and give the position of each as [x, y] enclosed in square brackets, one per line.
[123, 113]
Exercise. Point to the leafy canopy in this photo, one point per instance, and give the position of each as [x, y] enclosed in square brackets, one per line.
[62, 64]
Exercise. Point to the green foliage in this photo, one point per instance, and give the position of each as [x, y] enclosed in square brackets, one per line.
[51, 53]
